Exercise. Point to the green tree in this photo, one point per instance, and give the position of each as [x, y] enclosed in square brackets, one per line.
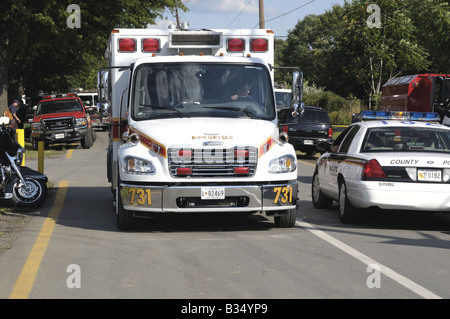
[311, 43]
[432, 30]
[380, 52]
[39, 51]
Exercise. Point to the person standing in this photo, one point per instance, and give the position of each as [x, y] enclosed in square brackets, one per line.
[13, 110]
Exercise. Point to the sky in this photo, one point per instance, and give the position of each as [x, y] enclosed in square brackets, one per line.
[280, 15]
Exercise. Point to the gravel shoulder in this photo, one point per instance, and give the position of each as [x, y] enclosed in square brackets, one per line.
[11, 225]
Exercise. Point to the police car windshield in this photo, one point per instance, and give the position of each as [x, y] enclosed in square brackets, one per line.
[202, 90]
[406, 139]
[58, 106]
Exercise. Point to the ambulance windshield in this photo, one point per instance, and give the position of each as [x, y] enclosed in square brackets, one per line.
[202, 90]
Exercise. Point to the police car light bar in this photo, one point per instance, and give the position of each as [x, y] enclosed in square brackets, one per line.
[410, 116]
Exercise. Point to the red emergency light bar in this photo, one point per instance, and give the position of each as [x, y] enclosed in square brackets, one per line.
[54, 96]
[259, 45]
[127, 45]
[235, 45]
[150, 45]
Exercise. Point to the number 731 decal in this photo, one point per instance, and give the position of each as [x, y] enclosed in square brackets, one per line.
[283, 194]
[140, 196]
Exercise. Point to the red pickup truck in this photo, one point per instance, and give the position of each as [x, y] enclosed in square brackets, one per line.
[62, 120]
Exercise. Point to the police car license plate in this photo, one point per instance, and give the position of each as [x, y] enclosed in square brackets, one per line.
[308, 142]
[429, 175]
[213, 193]
[59, 135]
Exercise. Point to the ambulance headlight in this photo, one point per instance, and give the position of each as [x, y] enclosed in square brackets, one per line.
[283, 164]
[135, 165]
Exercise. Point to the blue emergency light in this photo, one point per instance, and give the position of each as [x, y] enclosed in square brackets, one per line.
[409, 116]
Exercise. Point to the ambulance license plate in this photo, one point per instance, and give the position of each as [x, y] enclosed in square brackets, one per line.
[213, 193]
[429, 175]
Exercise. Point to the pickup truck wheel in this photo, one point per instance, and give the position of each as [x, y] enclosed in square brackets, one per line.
[287, 220]
[125, 218]
[87, 141]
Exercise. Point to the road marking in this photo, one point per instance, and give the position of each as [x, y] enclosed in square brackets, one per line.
[69, 153]
[26, 278]
[418, 289]
[411, 285]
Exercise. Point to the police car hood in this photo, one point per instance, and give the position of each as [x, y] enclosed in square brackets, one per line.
[201, 132]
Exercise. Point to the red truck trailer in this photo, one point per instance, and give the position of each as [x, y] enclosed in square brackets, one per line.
[418, 93]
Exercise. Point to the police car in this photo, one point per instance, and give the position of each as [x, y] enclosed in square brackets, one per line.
[394, 161]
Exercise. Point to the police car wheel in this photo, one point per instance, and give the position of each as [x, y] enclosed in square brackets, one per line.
[347, 212]
[318, 198]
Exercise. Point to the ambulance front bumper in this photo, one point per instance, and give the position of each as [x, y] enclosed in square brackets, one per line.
[271, 198]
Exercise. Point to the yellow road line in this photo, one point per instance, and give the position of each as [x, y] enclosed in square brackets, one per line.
[307, 163]
[69, 153]
[25, 281]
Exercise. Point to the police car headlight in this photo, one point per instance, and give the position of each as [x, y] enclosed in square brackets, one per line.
[283, 164]
[135, 165]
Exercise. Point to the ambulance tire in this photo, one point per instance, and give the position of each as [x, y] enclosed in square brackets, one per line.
[125, 218]
[287, 220]
[319, 199]
[348, 214]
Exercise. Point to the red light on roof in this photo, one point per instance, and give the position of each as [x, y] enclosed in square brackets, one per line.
[235, 45]
[150, 45]
[127, 45]
[259, 45]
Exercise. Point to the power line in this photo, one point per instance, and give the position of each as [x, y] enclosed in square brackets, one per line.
[239, 14]
[286, 13]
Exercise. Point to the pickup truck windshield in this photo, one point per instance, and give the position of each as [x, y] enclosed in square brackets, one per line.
[57, 106]
[202, 90]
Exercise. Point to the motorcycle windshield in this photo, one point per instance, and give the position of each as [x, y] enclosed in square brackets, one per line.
[202, 90]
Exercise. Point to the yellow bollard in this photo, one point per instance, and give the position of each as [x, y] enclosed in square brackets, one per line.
[41, 157]
[21, 140]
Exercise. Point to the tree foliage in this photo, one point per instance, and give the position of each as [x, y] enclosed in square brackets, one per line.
[41, 52]
[341, 52]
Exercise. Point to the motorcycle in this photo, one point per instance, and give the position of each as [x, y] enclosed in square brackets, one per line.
[19, 185]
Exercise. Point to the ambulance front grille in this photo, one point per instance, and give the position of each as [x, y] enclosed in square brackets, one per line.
[198, 162]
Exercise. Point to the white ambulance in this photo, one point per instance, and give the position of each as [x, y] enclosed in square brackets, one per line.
[194, 125]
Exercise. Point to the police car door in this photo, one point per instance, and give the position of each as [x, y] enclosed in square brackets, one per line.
[336, 159]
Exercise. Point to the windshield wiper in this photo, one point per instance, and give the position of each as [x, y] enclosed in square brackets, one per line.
[161, 107]
[246, 111]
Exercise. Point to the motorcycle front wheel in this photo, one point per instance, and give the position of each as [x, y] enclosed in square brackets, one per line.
[31, 196]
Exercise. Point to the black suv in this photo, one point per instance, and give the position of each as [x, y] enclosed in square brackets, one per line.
[306, 131]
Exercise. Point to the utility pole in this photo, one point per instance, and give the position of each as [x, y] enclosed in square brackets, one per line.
[262, 24]
[178, 18]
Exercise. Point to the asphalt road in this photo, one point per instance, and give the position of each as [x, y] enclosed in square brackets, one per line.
[72, 249]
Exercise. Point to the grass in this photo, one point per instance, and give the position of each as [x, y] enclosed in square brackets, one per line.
[49, 152]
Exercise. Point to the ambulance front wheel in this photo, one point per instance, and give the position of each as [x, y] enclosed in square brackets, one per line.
[287, 220]
[125, 218]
